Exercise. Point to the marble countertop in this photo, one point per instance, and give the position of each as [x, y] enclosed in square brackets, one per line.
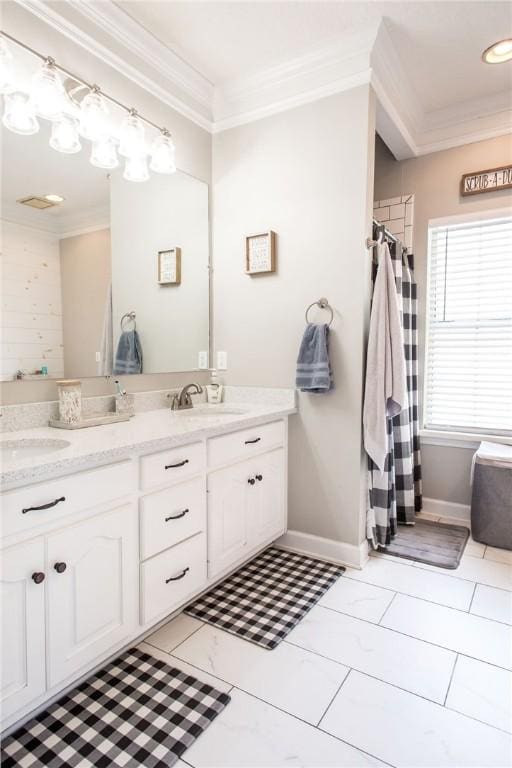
[145, 433]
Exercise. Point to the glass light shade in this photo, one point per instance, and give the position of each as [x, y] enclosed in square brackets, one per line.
[136, 168]
[6, 78]
[47, 92]
[19, 115]
[65, 136]
[163, 154]
[104, 154]
[93, 116]
[131, 135]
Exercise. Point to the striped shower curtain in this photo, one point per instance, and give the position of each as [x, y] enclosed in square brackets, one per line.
[394, 495]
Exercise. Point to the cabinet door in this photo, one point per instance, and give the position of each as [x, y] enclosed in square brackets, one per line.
[227, 516]
[92, 589]
[266, 515]
[22, 621]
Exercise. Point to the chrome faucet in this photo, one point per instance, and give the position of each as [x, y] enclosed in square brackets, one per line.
[183, 400]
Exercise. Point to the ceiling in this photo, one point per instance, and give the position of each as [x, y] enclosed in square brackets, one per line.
[438, 43]
[222, 64]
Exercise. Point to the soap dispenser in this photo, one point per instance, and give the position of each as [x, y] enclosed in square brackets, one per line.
[214, 390]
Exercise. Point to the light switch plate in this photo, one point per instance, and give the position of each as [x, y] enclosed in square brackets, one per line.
[222, 361]
[203, 359]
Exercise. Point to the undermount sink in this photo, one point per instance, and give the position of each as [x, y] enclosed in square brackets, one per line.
[208, 412]
[10, 450]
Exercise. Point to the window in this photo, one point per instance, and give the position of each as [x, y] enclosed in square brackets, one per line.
[468, 377]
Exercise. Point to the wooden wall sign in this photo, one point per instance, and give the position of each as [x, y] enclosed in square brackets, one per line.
[169, 267]
[260, 253]
[486, 181]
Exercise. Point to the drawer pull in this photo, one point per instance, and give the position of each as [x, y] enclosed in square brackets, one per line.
[60, 567]
[38, 577]
[259, 477]
[177, 578]
[179, 464]
[254, 440]
[177, 517]
[251, 481]
[43, 506]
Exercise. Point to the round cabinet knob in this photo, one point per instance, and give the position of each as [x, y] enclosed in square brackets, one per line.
[38, 577]
[60, 567]
[259, 477]
[251, 481]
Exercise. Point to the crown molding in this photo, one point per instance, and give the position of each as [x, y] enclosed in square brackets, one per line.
[60, 225]
[57, 21]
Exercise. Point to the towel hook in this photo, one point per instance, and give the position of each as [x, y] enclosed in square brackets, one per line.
[129, 316]
[321, 303]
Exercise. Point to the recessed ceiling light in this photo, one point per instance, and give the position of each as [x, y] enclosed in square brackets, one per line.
[54, 198]
[498, 52]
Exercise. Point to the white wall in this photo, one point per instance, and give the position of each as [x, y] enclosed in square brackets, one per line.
[31, 317]
[434, 180]
[172, 320]
[304, 174]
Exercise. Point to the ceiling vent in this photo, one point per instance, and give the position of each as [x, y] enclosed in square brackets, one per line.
[36, 202]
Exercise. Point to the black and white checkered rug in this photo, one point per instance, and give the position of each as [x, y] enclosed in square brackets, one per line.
[266, 598]
[137, 711]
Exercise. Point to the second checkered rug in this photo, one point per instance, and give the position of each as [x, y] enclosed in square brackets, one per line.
[266, 598]
[137, 711]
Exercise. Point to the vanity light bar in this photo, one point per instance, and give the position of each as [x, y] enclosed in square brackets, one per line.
[90, 86]
[20, 116]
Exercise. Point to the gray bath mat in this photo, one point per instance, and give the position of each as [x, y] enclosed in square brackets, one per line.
[429, 542]
[266, 598]
[137, 711]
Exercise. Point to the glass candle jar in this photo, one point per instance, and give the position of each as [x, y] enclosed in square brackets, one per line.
[70, 400]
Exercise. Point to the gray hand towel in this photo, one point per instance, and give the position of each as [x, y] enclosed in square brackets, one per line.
[129, 354]
[313, 365]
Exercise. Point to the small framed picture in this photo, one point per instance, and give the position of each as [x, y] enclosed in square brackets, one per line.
[169, 267]
[260, 253]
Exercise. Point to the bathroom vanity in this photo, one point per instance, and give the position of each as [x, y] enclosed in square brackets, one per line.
[105, 538]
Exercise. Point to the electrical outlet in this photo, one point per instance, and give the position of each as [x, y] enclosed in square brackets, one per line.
[98, 357]
[222, 361]
[203, 359]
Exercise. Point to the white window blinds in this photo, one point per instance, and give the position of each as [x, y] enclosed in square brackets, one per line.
[469, 327]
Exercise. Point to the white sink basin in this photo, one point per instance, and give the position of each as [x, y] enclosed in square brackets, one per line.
[208, 412]
[11, 450]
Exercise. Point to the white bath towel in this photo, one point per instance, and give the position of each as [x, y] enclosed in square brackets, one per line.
[386, 379]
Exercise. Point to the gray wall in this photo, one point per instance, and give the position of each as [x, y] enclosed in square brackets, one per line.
[193, 155]
[434, 180]
[304, 174]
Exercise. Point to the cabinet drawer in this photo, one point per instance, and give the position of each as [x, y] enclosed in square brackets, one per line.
[171, 466]
[168, 578]
[245, 443]
[24, 508]
[170, 516]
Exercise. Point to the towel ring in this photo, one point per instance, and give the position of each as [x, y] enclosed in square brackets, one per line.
[321, 304]
[129, 316]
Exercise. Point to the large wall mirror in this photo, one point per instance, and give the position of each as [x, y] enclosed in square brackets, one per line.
[80, 275]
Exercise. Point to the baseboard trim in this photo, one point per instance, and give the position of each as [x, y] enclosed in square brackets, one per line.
[339, 552]
[446, 508]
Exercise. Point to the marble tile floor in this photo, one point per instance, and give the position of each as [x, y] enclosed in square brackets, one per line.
[397, 665]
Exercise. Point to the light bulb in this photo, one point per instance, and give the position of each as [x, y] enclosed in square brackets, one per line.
[19, 115]
[6, 78]
[163, 154]
[104, 154]
[499, 52]
[93, 116]
[47, 92]
[131, 136]
[64, 136]
[136, 168]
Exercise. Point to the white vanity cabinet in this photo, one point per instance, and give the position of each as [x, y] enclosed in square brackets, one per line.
[92, 561]
[22, 615]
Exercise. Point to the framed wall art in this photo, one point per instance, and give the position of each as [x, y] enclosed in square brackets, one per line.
[169, 267]
[260, 253]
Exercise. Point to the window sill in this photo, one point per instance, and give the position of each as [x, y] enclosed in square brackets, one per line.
[460, 439]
